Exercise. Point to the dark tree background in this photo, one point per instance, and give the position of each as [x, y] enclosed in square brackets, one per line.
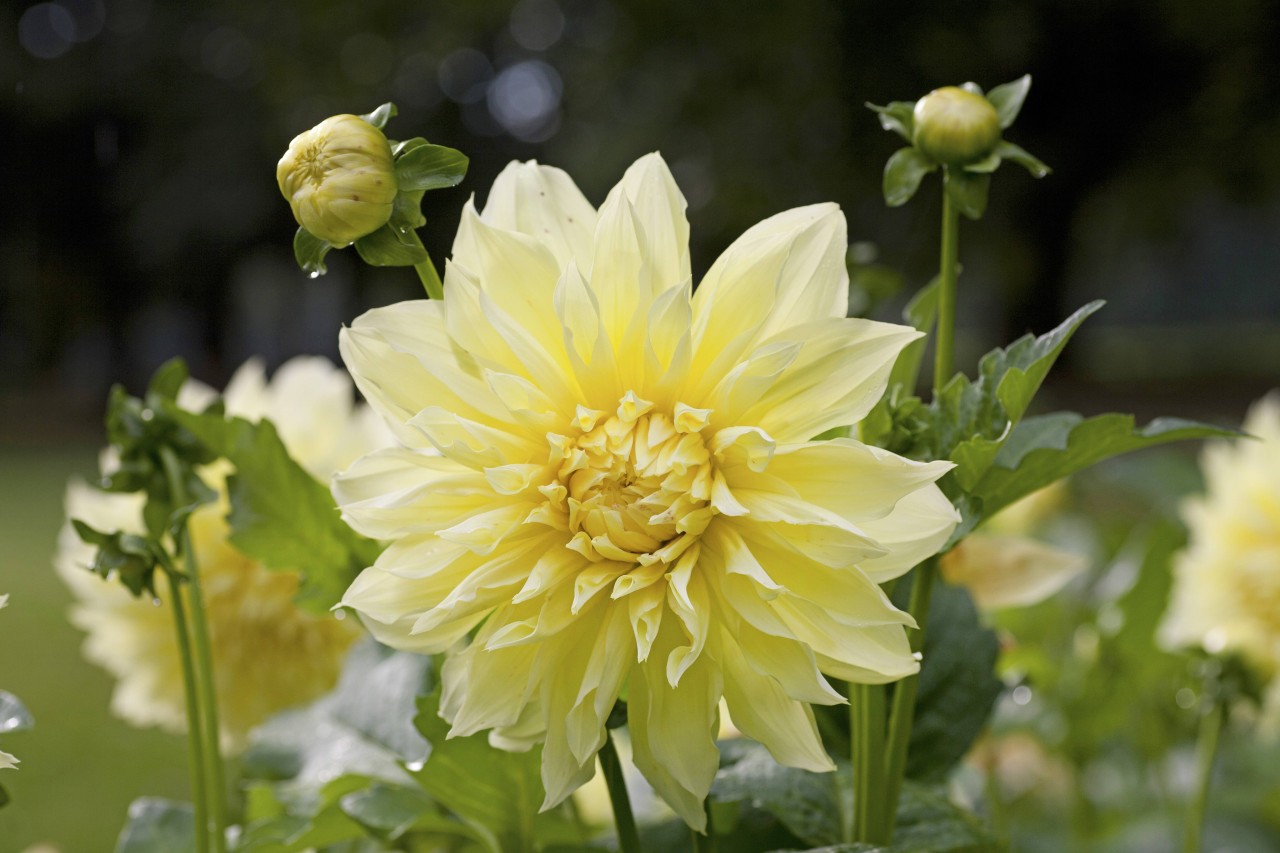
[138, 142]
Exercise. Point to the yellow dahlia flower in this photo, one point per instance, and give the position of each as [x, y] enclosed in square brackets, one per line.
[268, 655]
[608, 485]
[1226, 593]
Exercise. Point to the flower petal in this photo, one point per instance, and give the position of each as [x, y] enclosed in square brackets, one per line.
[544, 203]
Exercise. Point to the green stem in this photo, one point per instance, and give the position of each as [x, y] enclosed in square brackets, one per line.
[944, 342]
[1206, 752]
[427, 273]
[195, 753]
[611, 766]
[903, 712]
[870, 823]
[208, 700]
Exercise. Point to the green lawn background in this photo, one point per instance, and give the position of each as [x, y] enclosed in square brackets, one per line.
[80, 766]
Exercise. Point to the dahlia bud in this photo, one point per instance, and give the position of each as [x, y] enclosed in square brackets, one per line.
[955, 126]
[340, 179]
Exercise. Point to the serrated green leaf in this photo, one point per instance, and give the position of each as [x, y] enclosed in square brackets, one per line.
[1007, 98]
[958, 686]
[1045, 449]
[280, 514]
[806, 803]
[968, 192]
[1016, 154]
[130, 558]
[386, 248]
[898, 116]
[497, 793]
[430, 167]
[379, 117]
[902, 175]
[309, 251]
[157, 825]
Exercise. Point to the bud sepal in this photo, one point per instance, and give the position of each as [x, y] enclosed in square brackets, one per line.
[960, 129]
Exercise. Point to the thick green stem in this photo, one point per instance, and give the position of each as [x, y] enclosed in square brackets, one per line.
[611, 766]
[944, 341]
[904, 696]
[203, 664]
[195, 751]
[1206, 752]
[867, 713]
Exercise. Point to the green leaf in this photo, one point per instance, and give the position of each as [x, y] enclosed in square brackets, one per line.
[309, 251]
[1007, 98]
[985, 166]
[497, 793]
[920, 313]
[158, 826]
[972, 419]
[387, 810]
[385, 248]
[869, 285]
[364, 726]
[430, 167]
[379, 117]
[957, 688]
[898, 116]
[903, 174]
[883, 426]
[1044, 449]
[168, 380]
[126, 556]
[280, 514]
[968, 192]
[806, 803]
[1016, 154]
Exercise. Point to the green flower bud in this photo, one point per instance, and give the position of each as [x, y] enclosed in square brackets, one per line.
[339, 178]
[955, 126]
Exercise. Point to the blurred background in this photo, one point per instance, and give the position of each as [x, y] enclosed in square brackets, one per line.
[139, 217]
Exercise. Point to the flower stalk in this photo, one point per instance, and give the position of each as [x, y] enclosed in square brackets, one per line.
[615, 781]
[195, 745]
[867, 712]
[1206, 751]
[202, 664]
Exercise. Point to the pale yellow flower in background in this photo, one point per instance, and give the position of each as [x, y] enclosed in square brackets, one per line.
[268, 655]
[1009, 571]
[1226, 592]
[608, 481]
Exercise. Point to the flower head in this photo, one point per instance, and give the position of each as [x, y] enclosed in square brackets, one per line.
[339, 179]
[955, 126]
[608, 482]
[1226, 594]
[268, 655]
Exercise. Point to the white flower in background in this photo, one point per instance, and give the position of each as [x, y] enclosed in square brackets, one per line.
[608, 481]
[268, 655]
[1226, 592]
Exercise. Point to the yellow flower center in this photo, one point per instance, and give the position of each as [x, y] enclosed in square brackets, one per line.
[313, 163]
[634, 486]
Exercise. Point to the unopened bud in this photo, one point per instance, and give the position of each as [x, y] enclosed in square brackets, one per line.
[339, 178]
[955, 126]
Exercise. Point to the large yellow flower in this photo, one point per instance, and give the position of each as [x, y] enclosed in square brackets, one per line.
[268, 655]
[612, 477]
[1226, 594]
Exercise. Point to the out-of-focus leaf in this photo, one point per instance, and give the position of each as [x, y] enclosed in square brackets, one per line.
[280, 514]
[903, 173]
[958, 686]
[1015, 154]
[968, 191]
[929, 823]
[898, 116]
[157, 825]
[806, 803]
